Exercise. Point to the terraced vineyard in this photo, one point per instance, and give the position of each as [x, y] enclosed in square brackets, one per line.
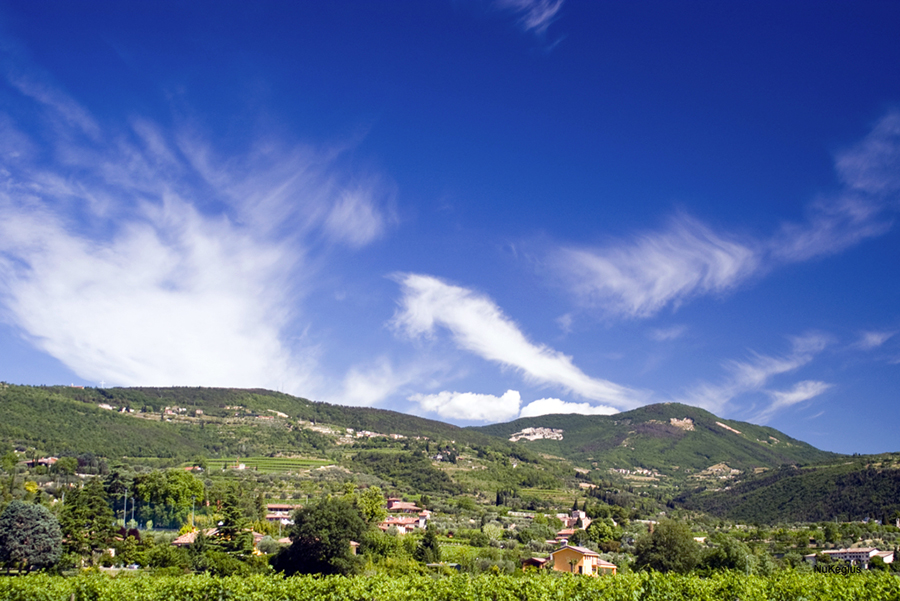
[267, 465]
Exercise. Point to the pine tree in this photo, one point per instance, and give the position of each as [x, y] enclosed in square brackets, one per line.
[87, 521]
[429, 549]
[232, 535]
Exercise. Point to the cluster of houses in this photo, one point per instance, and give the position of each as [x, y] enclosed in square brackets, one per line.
[405, 517]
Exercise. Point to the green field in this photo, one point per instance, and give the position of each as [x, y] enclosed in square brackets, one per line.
[267, 465]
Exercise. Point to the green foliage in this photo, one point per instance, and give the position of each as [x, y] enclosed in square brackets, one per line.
[542, 586]
[728, 554]
[405, 469]
[320, 539]
[30, 536]
[232, 535]
[849, 491]
[429, 549]
[603, 530]
[669, 548]
[167, 495]
[167, 556]
[371, 505]
[87, 521]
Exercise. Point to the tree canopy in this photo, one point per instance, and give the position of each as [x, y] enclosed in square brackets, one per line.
[670, 548]
[87, 521]
[30, 537]
[320, 539]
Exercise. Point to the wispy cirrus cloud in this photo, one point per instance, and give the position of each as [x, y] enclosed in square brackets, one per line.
[137, 254]
[666, 334]
[754, 374]
[640, 276]
[869, 340]
[478, 325]
[799, 392]
[534, 15]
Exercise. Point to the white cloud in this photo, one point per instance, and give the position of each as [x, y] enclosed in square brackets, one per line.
[670, 333]
[873, 165]
[480, 327]
[355, 219]
[641, 277]
[801, 391]
[556, 406]
[535, 15]
[870, 340]
[369, 385]
[754, 375]
[175, 300]
[644, 274]
[471, 406]
[143, 256]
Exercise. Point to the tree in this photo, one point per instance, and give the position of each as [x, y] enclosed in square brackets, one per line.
[730, 554]
[320, 539]
[167, 495]
[232, 535]
[87, 521]
[429, 549]
[670, 548]
[371, 505]
[30, 537]
[603, 530]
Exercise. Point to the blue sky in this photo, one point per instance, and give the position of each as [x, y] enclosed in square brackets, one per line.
[469, 210]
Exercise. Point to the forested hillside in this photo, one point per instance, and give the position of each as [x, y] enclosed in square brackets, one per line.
[853, 490]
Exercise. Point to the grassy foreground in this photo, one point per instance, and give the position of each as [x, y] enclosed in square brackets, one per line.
[535, 587]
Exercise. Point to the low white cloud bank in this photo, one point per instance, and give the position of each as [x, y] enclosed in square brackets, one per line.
[471, 406]
[141, 256]
[555, 406]
[753, 375]
[478, 325]
[640, 276]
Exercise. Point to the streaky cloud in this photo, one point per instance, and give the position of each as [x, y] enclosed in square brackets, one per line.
[798, 393]
[754, 374]
[535, 15]
[479, 326]
[643, 274]
[141, 255]
[641, 277]
[870, 340]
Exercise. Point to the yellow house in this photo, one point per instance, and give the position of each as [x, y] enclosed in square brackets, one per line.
[579, 560]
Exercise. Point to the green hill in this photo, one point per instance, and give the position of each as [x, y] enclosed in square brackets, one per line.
[851, 490]
[670, 438]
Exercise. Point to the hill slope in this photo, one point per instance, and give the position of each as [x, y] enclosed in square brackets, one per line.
[670, 438]
[851, 490]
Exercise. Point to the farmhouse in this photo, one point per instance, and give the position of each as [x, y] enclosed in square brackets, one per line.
[857, 557]
[579, 560]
